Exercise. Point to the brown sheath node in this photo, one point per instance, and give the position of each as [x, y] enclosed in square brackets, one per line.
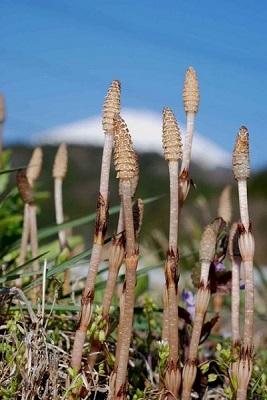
[87, 297]
[242, 229]
[101, 217]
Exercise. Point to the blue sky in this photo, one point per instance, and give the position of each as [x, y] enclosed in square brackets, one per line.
[59, 56]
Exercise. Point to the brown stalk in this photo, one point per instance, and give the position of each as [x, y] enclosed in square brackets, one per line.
[191, 105]
[241, 170]
[59, 172]
[111, 106]
[206, 256]
[26, 194]
[2, 121]
[173, 152]
[235, 258]
[116, 258]
[127, 168]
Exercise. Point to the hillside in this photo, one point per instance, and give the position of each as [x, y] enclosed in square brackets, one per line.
[81, 187]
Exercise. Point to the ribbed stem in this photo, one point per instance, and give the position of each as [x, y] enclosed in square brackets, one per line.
[25, 235]
[249, 305]
[235, 300]
[24, 240]
[173, 226]
[173, 322]
[243, 203]
[128, 218]
[126, 328]
[195, 338]
[105, 166]
[202, 301]
[59, 211]
[34, 245]
[120, 226]
[172, 374]
[165, 318]
[205, 269]
[190, 119]
[88, 293]
[87, 301]
[241, 394]
[126, 318]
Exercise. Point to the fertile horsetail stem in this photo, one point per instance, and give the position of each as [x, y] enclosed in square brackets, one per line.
[172, 146]
[59, 172]
[234, 255]
[110, 108]
[241, 171]
[206, 256]
[125, 162]
[191, 104]
[32, 173]
[26, 194]
[35, 165]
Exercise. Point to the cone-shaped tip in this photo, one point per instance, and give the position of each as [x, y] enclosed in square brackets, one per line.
[208, 244]
[2, 109]
[25, 189]
[111, 106]
[61, 162]
[35, 165]
[191, 91]
[125, 159]
[171, 138]
[225, 205]
[241, 167]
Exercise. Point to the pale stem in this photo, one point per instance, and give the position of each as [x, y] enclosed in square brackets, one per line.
[173, 322]
[243, 203]
[25, 236]
[126, 326]
[59, 211]
[190, 119]
[241, 394]
[105, 166]
[128, 217]
[95, 259]
[196, 333]
[205, 268]
[235, 300]
[173, 227]
[34, 244]
[165, 318]
[249, 304]
[120, 226]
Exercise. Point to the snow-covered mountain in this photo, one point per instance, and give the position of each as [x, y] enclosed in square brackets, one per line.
[145, 128]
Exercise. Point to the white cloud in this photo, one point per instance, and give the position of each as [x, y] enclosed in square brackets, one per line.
[145, 128]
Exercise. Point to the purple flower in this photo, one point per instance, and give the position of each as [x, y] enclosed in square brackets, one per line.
[189, 299]
[219, 267]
